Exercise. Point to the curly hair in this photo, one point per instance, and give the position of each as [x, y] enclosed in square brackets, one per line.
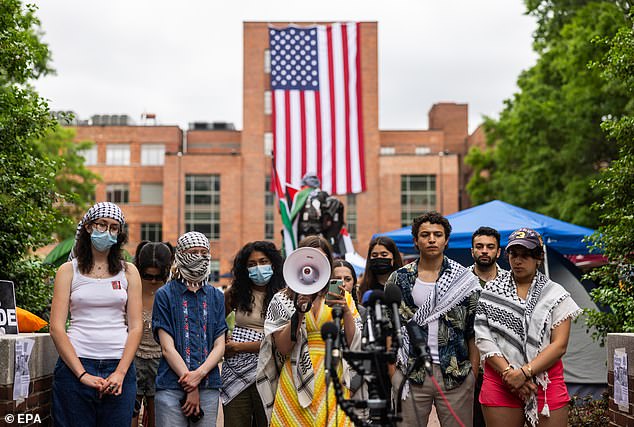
[370, 280]
[154, 254]
[431, 217]
[240, 295]
[83, 252]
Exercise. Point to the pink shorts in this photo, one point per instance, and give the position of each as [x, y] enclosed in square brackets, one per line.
[496, 393]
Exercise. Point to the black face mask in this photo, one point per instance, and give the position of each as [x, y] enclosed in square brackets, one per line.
[380, 265]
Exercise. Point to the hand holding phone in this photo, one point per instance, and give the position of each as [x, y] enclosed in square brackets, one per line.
[334, 287]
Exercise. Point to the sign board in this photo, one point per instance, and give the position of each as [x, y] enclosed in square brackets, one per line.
[621, 391]
[8, 317]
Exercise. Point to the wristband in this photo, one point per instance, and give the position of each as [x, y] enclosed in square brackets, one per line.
[525, 376]
[82, 374]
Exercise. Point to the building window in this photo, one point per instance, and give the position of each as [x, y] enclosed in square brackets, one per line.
[422, 151]
[118, 193]
[214, 274]
[267, 61]
[152, 231]
[268, 102]
[418, 194]
[268, 143]
[152, 154]
[118, 155]
[151, 194]
[269, 210]
[351, 215]
[387, 151]
[202, 205]
[89, 155]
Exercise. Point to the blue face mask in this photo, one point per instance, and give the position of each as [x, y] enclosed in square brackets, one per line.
[260, 275]
[102, 240]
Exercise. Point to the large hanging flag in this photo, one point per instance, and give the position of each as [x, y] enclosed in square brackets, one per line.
[316, 95]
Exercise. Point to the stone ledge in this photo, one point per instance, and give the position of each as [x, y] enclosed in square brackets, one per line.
[43, 357]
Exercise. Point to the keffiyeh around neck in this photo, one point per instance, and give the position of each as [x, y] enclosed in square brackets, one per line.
[508, 327]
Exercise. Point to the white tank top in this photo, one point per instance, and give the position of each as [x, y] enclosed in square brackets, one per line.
[98, 328]
[420, 293]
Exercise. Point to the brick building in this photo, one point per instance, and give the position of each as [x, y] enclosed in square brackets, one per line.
[214, 179]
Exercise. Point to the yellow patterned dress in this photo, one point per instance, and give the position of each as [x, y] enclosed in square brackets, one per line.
[287, 411]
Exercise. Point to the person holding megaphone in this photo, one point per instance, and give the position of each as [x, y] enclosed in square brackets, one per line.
[292, 373]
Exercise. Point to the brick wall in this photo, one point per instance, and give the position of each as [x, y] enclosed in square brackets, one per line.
[41, 365]
[619, 417]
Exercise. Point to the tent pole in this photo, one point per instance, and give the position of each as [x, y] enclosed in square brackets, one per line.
[546, 269]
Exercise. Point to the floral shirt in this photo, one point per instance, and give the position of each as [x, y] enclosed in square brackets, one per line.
[194, 320]
[455, 327]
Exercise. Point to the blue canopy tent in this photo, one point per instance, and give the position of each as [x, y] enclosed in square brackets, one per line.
[564, 237]
[585, 361]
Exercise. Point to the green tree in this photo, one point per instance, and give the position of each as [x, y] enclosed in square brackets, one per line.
[39, 173]
[547, 144]
[615, 184]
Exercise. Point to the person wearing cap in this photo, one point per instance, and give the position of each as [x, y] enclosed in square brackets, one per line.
[485, 250]
[522, 327]
[439, 302]
[94, 381]
[188, 321]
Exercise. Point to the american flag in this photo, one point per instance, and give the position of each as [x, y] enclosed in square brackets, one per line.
[316, 95]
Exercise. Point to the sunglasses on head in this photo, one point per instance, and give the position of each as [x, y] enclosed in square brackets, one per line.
[150, 277]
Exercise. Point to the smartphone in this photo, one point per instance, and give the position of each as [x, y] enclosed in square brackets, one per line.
[333, 286]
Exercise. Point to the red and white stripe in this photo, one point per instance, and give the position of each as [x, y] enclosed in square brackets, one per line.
[322, 131]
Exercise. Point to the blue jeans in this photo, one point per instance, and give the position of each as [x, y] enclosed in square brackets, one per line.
[75, 404]
[170, 414]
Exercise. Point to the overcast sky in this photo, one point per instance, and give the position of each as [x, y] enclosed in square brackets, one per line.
[183, 60]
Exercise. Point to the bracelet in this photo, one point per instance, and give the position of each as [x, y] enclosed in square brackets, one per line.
[508, 368]
[82, 374]
[525, 376]
[530, 369]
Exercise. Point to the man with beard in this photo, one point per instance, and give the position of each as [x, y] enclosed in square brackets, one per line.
[485, 249]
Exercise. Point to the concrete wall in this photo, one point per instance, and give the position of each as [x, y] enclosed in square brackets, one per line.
[41, 365]
[617, 416]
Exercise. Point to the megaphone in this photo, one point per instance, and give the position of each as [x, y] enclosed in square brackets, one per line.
[306, 271]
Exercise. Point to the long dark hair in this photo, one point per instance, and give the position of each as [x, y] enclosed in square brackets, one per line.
[83, 252]
[154, 254]
[240, 295]
[369, 278]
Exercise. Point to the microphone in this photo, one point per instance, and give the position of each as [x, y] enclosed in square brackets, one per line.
[377, 296]
[366, 298]
[329, 332]
[393, 296]
[418, 345]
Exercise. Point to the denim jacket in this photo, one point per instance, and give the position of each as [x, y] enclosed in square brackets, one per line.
[194, 320]
[455, 328]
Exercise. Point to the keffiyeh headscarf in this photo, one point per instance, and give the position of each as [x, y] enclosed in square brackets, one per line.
[99, 210]
[193, 268]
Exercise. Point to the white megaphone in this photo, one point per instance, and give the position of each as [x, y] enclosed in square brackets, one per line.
[306, 271]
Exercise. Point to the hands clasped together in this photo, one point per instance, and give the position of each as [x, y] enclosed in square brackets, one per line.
[519, 382]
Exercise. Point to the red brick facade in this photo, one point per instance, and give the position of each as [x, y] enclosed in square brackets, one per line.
[239, 158]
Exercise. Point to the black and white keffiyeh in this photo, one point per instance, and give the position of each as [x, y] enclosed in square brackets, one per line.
[98, 210]
[451, 289]
[508, 327]
[193, 268]
[237, 371]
